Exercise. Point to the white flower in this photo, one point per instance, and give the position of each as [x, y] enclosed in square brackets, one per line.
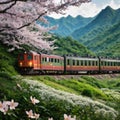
[68, 117]
[30, 114]
[50, 118]
[36, 116]
[4, 107]
[33, 100]
[13, 104]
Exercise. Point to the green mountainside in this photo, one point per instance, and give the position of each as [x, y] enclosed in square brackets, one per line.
[103, 21]
[108, 42]
[66, 45]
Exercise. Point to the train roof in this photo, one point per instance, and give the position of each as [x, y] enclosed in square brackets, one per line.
[51, 55]
[110, 60]
[82, 58]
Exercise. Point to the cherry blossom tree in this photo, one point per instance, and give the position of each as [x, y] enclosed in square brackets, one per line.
[18, 21]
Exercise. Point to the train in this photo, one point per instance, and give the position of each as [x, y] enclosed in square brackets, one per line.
[39, 63]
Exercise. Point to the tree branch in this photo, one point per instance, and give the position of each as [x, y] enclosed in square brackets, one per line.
[32, 21]
[3, 11]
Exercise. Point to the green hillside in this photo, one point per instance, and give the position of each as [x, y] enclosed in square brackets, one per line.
[7, 61]
[66, 45]
[108, 42]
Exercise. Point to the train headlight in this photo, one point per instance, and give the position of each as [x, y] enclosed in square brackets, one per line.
[21, 63]
[30, 64]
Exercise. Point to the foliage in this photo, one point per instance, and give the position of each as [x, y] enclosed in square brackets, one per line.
[7, 62]
[66, 45]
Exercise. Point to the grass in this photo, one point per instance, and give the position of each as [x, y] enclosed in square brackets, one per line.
[84, 85]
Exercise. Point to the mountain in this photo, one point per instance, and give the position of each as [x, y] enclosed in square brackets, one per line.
[103, 21]
[107, 43]
[66, 25]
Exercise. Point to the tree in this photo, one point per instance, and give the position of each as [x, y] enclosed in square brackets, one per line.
[18, 21]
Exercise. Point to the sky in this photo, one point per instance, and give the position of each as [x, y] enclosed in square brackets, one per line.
[89, 9]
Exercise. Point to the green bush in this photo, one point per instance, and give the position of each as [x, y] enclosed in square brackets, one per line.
[87, 92]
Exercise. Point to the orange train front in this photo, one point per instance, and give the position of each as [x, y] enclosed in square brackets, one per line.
[32, 62]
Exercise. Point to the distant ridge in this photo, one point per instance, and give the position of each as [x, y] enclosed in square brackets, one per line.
[68, 24]
[105, 19]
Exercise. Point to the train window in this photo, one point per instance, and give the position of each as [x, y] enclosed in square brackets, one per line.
[104, 63]
[89, 63]
[55, 60]
[77, 62]
[73, 62]
[85, 63]
[82, 63]
[96, 63]
[43, 59]
[58, 60]
[21, 57]
[112, 64]
[68, 62]
[93, 63]
[51, 59]
[29, 57]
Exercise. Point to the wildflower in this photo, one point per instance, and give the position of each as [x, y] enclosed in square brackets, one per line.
[30, 114]
[13, 104]
[36, 116]
[4, 107]
[50, 118]
[68, 117]
[33, 100]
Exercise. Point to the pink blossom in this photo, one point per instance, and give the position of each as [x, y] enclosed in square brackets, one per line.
[30, 114]
[50, 118]
[13, 104]
[68, 117]
[36, 116]
[34, 100]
